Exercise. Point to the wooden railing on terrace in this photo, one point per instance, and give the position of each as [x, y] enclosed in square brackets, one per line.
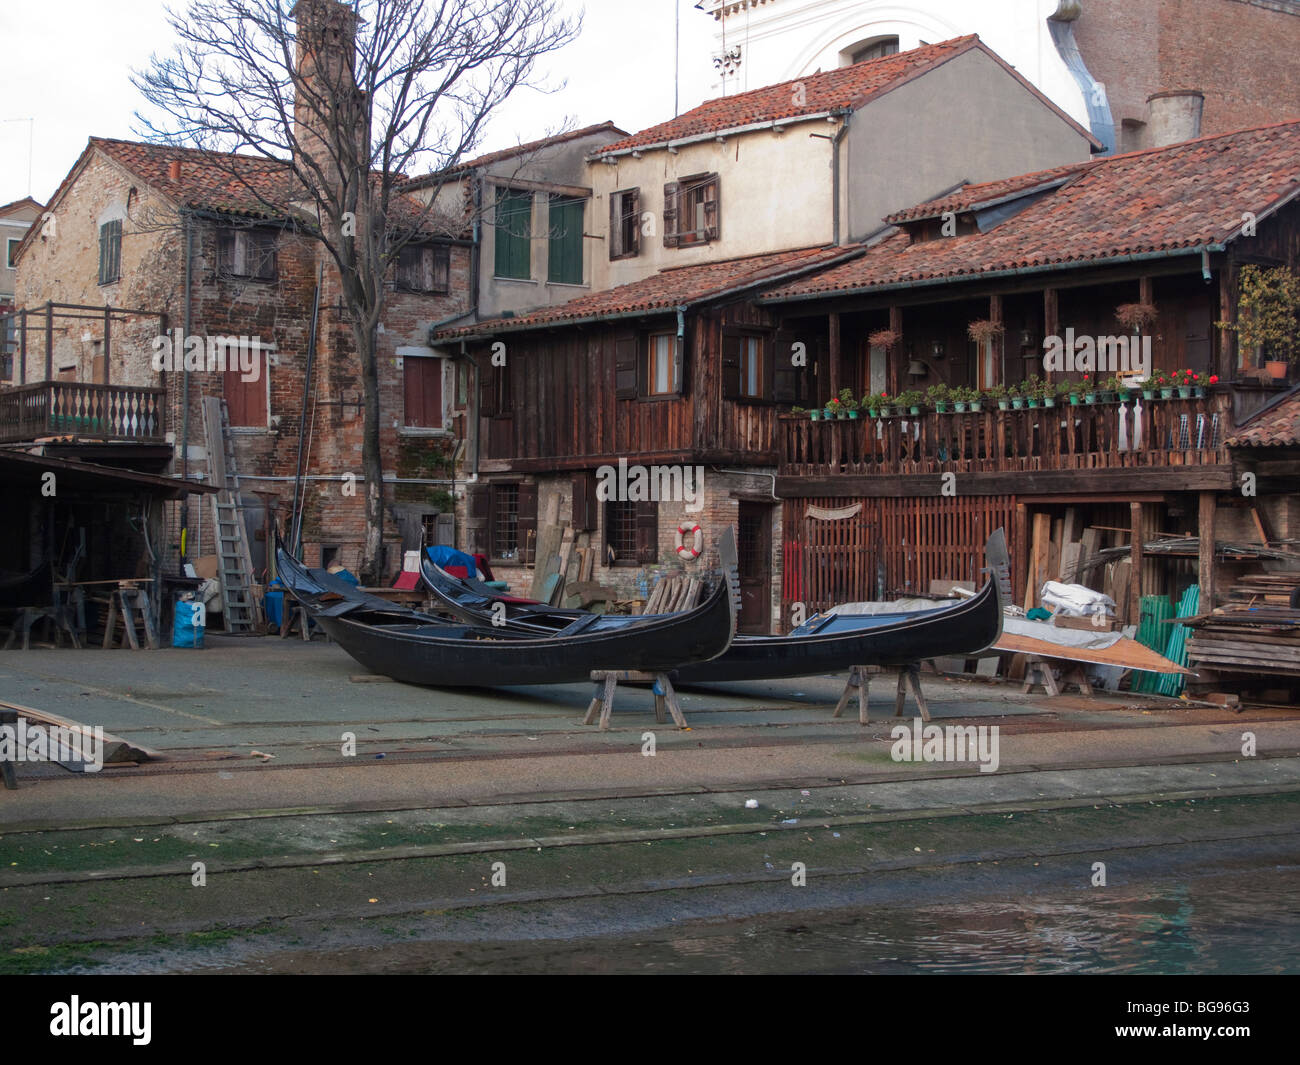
[75, 408]
[1172, 432]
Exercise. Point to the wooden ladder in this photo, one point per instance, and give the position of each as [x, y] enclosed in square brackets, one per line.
[239, 608]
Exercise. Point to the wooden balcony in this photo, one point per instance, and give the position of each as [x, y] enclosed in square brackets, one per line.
[86, 411]
[1062, 448]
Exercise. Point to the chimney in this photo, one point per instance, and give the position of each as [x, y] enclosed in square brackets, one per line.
[1174, 116]
[174, 170]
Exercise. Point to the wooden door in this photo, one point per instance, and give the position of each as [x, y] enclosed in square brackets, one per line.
[754, 551]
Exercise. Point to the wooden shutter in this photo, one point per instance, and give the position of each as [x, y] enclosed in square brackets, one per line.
[731, 344]
[487, 386]
[712, 208]
[478, 507]
[261, 250]
[679, 364]
[626, 372]
[584, 502]
[527, 523]
[441, 268]
[785, 376]
[647, 531]
[422, 377]
[615, 225]
[110, 251]
[672, 212]
[246, 399]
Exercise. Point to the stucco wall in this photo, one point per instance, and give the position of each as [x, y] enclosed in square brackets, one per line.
[967, 120]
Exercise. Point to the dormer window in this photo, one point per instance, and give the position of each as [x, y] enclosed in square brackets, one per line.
[876, 49]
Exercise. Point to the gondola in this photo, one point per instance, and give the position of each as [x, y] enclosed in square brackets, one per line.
[422, 650]
[824, 644]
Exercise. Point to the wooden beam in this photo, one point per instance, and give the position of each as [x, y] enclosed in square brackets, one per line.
[895, 353]
[1146, 289]
[1205, 551]
[1135, 556]
[1071, 485]
[49, 341]
[833, 326]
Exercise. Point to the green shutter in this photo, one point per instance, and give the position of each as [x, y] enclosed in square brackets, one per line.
[514, 223]
[565, 227]
[110, 251]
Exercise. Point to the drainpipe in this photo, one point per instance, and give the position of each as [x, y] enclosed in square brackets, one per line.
[185, 384]
[835, 181]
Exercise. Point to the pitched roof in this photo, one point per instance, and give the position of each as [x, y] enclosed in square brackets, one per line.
[970, 197]
[1157, 202]
[831, 90]
[667, 290]
[531, 148]
[1276, 425]
[26, 201]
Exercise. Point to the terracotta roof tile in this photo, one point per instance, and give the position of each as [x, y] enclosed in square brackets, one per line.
[678, 287]
[847, 87]
[1158, 201]
[1277, 425]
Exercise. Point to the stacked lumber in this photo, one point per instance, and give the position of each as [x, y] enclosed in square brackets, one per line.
[671, 594]
[1256, 631]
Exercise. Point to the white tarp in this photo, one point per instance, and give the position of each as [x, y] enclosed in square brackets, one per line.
[1075, 600]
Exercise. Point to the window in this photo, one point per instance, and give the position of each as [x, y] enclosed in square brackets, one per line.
[424, 268]
[631, 532]
[564, 257]
[422, 391]
[751, 367]
[625, 224]
[514, 226]
[691, 211]
[662, 376]
[248, 253]
[110, 252]
[876, 50]
[513, 522]
[247, 400]
[11, 252]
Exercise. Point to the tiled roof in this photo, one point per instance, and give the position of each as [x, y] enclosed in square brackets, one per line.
[1277, 425]
[971, 197]
[666, 290]
[215, 181]
[1159, 201]
[26, 201]
[832, 90]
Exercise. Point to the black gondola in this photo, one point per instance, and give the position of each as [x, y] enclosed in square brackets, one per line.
[824, 644]
[418, 649]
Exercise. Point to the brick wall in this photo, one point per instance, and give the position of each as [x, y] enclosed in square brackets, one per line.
[1240, 53]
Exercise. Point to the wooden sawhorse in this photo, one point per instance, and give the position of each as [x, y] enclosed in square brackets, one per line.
[127, 598]
[295, 615]
[1038, 670]
[607, 681]
[860, 676]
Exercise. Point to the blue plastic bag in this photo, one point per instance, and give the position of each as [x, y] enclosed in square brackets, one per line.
[189, 623]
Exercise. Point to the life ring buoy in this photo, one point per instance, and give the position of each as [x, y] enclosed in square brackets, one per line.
[689, 541]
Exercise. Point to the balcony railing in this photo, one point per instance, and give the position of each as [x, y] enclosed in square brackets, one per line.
[1063, 437]
[75, 408]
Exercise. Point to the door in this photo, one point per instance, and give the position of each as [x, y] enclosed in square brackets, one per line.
[754, 555]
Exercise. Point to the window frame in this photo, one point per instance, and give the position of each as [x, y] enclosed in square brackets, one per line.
[561, 240]
[674, 391]
[444, 409]
[692, 194]
[620, 247]
[11, 246]
[258, 246]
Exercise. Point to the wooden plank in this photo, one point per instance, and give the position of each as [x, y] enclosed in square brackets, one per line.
[116, 749]
[1136, 585]
[1207, 510]
[1126, 653]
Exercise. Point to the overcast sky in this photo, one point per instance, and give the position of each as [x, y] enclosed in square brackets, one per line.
[67, 65]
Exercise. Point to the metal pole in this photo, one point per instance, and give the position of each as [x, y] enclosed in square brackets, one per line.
[49, 340]
[108, 345]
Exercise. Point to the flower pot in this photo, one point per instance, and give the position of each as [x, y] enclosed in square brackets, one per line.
[1166, 393]
[1004, 404]
[1184, 391]
[976, 405]
[1033, 404]
[1198, 391]
[1074, 399]
[915, 408]
[1049, 401]
[853, 415]
[1090, 398]
[873, 412]
[1018, 403]
[941, 406]
[959, 405]
[1276, 369]
[815, 415]
[1148, 393]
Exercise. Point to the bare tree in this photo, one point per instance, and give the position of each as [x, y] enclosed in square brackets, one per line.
[354, 98]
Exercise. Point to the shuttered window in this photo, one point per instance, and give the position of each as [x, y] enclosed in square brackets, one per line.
[564, 256]
[514, 226]
[247, 399]
[692, 210]
[631, 532]
[422, 394]
[758, 367]
[248, 253]
[625, 224]
[424, 268]
[110, 252]
[514, 522]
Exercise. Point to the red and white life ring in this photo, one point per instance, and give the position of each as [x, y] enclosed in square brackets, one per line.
[689, 541]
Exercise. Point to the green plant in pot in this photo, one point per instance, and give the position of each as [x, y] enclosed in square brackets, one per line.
[910, 401]
[998, 394]
[1150, 386]
[940, 395]
[871, 404]
[1017, 395]
[1033, 390]
[1268, 317]
[848, 402]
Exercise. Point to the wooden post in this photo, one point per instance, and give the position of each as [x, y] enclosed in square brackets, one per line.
[22, 349]
[833, 325]
[998, 371]
[1146, 290]
[1227, 361]
[895, 351]
[1051, 322]
[49, 340]
[1136, 584]
[108, 345]
[1205, 552]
